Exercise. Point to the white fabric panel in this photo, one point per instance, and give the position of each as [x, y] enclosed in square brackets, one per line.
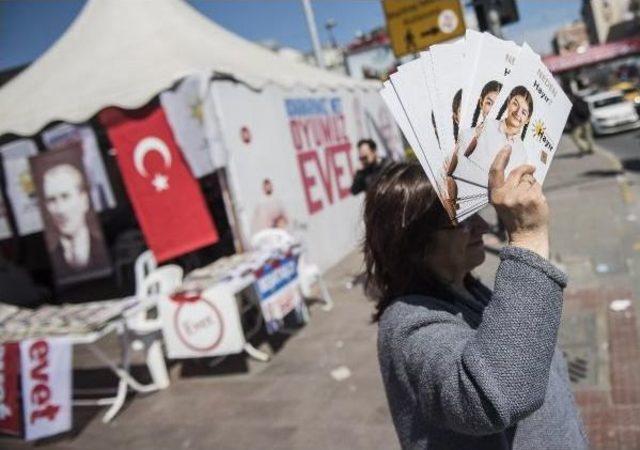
[333, 228]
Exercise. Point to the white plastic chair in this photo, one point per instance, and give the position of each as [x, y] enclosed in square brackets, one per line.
[160, 281]
[145, 263]
[310, 274]
[271, 239]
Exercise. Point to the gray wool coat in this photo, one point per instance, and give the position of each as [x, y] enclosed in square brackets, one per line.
[485, 374]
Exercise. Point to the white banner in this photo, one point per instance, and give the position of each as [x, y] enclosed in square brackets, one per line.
[191, 114]
[196, 326]
[20, 188]
[46, 386]
[61, 135]
[292, 159]
[380, 126]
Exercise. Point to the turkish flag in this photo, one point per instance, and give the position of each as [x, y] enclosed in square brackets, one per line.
[166, 198]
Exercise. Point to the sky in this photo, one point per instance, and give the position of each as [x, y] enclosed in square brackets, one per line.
[29, 27]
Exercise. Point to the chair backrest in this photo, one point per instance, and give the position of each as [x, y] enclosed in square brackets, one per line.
[161, 281]
[272, 239]
[145, 264]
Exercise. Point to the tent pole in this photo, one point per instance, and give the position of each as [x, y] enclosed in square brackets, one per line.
[230, 209]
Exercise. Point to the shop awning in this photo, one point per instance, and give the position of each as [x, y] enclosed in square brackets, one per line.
[593, 55]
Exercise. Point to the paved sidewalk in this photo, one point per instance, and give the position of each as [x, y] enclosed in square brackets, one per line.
[294, 402]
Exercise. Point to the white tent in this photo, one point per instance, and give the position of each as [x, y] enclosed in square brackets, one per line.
[123, 53]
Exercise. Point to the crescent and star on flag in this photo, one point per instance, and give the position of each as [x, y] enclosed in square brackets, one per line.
[147, 145]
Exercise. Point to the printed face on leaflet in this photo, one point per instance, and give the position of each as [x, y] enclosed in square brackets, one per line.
[509, 128]
[485, 102]
[323, 149]
[519, 108]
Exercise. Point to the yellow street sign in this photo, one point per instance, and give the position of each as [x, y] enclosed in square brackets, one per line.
[414, 25]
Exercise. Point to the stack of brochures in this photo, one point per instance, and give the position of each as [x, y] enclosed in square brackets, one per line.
[460, 103]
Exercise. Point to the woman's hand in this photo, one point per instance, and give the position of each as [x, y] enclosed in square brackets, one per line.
[520, 204]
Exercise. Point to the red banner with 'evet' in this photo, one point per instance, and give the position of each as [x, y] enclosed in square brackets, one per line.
[166, 198]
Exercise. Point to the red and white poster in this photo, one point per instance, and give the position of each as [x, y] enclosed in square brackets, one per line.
[166, 198]
[46, 386]
[198, 325]
[10, 412]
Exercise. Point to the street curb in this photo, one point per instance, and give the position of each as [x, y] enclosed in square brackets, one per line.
[622, 179]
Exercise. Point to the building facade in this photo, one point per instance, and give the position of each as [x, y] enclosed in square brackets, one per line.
[571, 38]
[611, 20]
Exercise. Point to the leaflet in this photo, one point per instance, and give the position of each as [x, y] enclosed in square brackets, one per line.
[460, 103]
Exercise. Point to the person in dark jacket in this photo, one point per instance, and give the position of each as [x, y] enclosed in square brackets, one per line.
[464, 367]
[580, 122]
[371, 166]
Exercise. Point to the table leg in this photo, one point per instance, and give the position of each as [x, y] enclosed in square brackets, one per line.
[255, 353]
[125, 380]
[118, 402]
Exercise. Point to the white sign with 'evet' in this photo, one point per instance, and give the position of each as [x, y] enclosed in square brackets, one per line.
[201, 324]
[46, 386]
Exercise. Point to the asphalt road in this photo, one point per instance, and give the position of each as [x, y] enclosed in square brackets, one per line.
[625, 146]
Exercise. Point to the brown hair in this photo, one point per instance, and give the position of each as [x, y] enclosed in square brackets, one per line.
[401, 213]
[455, 107]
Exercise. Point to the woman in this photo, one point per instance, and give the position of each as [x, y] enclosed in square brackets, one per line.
[465, 368]
[508, 131]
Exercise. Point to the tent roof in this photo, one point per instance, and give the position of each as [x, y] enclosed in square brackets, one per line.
[124, 53]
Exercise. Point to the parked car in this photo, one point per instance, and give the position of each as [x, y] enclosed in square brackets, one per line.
[630, 91]
[612, 113]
